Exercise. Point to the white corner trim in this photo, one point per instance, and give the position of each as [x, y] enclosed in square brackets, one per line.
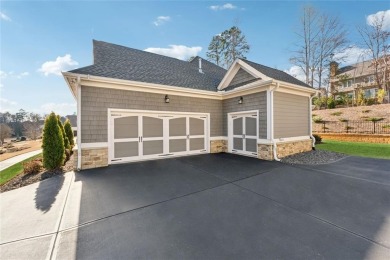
[94, 145]
[215, 138]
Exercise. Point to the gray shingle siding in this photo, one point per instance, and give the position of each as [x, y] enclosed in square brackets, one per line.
[257, 101]
[291, 115]
[96, 101]
[241, 77]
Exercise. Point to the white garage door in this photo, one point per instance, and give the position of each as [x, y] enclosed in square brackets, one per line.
[147, 135]
[243, 132]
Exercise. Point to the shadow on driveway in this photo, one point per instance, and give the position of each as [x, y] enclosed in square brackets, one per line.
[47, 191]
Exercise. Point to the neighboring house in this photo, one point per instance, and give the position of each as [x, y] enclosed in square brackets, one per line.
[352, 78]
[134, 105]
[73, 122]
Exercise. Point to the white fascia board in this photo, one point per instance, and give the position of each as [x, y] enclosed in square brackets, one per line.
[254, 72]
[229, 75]
[235, 68]
[64, 74]
[297, 88]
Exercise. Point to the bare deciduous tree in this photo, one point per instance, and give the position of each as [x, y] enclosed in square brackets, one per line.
[320, 36]
[5, 132]
[376, 39]
[32, 127]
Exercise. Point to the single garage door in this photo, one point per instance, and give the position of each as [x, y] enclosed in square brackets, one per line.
[147, 135]
[243, 132]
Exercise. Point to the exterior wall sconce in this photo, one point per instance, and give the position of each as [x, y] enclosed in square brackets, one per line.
[166, 99]
[241, 100]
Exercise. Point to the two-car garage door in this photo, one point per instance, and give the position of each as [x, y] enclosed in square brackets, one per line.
[146, 135]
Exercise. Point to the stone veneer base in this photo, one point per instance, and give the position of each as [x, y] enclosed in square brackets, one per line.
[98, 157]
[218, 146]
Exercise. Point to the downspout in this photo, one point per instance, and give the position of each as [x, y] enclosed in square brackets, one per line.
[78, 123]
[272, 121]
[313, 146]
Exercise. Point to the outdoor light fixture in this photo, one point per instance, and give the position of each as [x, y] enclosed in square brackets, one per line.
[166, 99]
[241, 100]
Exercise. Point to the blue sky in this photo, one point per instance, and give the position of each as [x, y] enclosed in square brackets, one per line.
[41, 38]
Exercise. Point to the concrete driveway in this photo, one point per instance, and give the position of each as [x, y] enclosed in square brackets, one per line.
[215, 206]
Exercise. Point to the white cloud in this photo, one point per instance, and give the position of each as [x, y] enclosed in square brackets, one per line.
[372, 18]
[23, 74]
[62, 109]
[7, 105]
[60, 64]
[3, 74]
[4, 17]
[352, 55]
[223, 7]
[296, 72]
[177, 51]
[161, 20]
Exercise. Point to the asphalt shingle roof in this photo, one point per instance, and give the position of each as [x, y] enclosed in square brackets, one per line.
[276, 74]
[115, 61]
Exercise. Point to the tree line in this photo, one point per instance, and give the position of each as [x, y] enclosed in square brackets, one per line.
[320, 36]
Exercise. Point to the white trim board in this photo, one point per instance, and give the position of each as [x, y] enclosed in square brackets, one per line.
[216, 138]
[94, 145]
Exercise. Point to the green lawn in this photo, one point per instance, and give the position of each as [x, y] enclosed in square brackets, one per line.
[359, 149]
[14, 170]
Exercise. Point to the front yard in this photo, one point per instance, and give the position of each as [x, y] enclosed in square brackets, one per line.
[371, 150]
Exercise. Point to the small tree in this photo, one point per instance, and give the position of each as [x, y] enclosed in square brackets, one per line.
[381, 95]
[69, 132]
[66, 140]
[52, 143]
[5, 132]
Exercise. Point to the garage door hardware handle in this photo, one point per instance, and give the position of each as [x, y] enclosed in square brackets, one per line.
[113, 160]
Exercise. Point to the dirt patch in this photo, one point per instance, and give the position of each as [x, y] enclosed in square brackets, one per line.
[31, 145]
[355, 113]
[27, 179]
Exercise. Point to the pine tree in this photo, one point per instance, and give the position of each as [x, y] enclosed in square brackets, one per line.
[52, 143]
[215, 49]
[69, 132]
[66, 140]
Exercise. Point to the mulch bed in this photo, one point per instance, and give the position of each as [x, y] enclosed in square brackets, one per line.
[27, 179]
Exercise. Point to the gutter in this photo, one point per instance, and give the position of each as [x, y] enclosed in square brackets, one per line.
[313, 146]
[78, 89]
[272, 122]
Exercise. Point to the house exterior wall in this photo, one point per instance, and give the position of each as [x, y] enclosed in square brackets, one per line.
[291, 115]
[257, 101]
[240, 77]
[96, 101]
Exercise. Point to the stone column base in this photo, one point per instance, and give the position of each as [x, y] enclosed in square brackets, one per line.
[266, 151]
[218, 146]
[91, 157]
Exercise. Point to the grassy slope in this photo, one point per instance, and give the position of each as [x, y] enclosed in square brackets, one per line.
[359, 149]
[14, 170]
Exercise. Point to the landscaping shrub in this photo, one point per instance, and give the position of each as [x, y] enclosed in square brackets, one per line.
[318, 138]
[317, 119]
[67, 155]
[343, 120]
[338, 113]
[381, 95]
[370, 101]
[375, 119]
[32, 167]
[52, 143]
[331, 103]
[386, 126]
[69, 132]
[66, 140]
[366, 111]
